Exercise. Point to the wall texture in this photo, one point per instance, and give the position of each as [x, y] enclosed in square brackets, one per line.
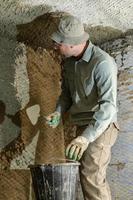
[30, 74]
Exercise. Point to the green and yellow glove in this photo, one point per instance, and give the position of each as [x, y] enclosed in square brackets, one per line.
[53, 119]
[76, 148]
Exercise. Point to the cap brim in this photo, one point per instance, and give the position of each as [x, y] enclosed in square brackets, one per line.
[59, 38]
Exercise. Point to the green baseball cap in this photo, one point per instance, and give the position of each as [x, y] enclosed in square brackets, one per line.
[70, 31]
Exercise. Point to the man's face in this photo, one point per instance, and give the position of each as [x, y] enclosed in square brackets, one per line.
[64, 49]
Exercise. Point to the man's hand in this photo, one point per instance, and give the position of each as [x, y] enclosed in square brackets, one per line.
[53, 119]
[76, 148]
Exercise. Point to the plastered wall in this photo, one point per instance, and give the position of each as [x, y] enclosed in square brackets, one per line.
[30, 74]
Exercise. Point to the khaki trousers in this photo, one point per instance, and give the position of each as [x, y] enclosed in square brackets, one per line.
[94, 164]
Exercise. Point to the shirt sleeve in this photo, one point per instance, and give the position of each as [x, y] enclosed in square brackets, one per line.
[64, 101]
[106, 82]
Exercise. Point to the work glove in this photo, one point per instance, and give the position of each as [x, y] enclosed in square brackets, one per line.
[53, 119]
[76, 148]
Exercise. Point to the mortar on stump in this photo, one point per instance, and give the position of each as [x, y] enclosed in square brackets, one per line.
[55, 181]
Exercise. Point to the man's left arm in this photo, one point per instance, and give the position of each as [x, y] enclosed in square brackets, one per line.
[106, 82]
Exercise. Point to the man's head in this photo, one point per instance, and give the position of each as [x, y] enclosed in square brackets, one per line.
[70, 38]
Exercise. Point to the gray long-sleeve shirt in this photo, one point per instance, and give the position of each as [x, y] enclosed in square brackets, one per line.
[89, 91]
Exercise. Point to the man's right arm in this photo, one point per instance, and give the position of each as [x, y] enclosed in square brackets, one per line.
[63, 104]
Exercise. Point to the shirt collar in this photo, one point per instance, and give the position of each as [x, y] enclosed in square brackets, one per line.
[88, 52]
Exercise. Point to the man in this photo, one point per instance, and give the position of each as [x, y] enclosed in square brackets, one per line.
[89, 90]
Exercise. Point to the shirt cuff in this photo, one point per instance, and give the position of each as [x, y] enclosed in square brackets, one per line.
[58, 109]
[91, 133]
